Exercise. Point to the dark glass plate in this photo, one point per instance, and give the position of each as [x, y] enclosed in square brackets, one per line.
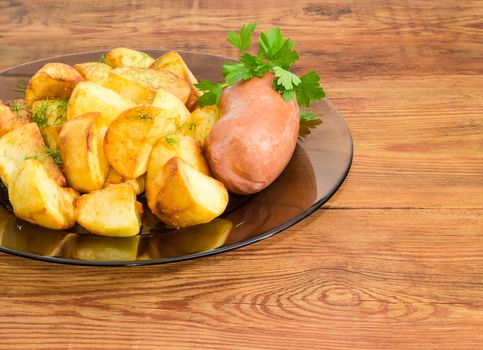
[318, 167]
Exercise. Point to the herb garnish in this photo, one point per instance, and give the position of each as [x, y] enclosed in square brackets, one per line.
[141, 115]
[275, 54]
[171, 140]
[20, 87]
[17, 107]
[42, 113]
[49, 152]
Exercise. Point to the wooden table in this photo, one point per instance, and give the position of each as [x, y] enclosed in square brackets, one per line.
[393, 261]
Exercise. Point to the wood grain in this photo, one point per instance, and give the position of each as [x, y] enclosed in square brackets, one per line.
[395, 258]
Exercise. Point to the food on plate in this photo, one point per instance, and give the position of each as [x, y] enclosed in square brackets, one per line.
[129, 124]
[201, 121]
[82, 151]
[97, 72]
[13, 115]
[22, 144]
[38, 199]
[50, 116]
[259, 100]
[267, 129]
[186, 196]
[113, 178]
[54, 80]
[132, 135]
[124, 57]
[173, 62]
[95, 248]
[184, 147]
[91, 97]
[196, 239]
[155, 79]
[111, 211]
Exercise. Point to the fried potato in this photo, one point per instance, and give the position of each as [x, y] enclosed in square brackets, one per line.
[90, 97]
[38, 199]
[82, 151]
[156, 79]
[132, 135]
[201, 121]
[96, 72]
[123, 57]
[184, 147]
[196, 239]
[129, 88]
[113, 178]
[23, 143]
[167, 100]
[173, 62]
[95, 248]
[54, 80]
[50, 116]
[13, 115]
[187, 197]
[112, 211]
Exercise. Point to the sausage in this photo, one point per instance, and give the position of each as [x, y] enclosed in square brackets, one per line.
[255, 138]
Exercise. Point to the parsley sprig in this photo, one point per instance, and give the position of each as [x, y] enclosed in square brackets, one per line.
[275, 54]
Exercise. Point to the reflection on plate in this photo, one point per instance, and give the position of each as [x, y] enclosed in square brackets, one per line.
[319, 165]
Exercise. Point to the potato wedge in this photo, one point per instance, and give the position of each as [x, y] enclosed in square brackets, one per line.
[132, 135]
[82, 150]
[196, 239]
[50, 116]
[167, 100]
[38, 199]
[23, 143]
[187, 197]
[201, 121]
[95, 248]
[184, 147]
[54, 80]
[96, 72]
[112, 211]
[123, 57]
[173, 62]
[13, 115]
[129, 88]
[156, 79]
[90, 97]
[113, 178]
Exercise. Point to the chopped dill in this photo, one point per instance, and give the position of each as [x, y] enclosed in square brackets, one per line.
[171, 140]
[141, 115]
[48, 107]
[49, 152]
[103, 59]
[17, 107]
[20, 87]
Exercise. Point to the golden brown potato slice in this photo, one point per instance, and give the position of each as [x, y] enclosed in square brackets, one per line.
[54, 80]
[129, 88]
[184, 147]
[91, 97]
[112, 211]
[96, 72]
[156, 79]
[113, 178]
[50, 116]
[82, 151]
[13, 115]
[95, 248]
[132, 135]
[201, 121]
[173, 62]
[167, 100]
[196, 239]
[123, 57]
[187, 197]
[24, 143]
[36, 198]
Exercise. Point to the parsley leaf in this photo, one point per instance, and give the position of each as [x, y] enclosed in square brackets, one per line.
[243, 40]
[211, 92]
[286, 79]
[309, 89]
[276, 49]
[232, 72]
[306, 116]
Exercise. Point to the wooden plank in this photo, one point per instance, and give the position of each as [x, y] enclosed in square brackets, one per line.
[341, 279]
